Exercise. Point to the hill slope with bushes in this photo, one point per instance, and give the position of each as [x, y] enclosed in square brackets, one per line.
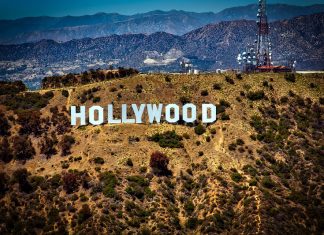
[257, 169]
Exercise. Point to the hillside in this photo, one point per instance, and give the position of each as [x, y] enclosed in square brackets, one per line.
[33, 29]
[260, 163]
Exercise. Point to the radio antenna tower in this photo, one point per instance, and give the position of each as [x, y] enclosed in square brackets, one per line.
[259, 57]
[263, 53]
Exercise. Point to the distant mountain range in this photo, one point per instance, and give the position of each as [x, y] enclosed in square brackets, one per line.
[210, 47]
[33, 29]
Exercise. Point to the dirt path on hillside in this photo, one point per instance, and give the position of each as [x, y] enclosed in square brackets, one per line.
[219, 143]
[68, 102]
[258, 205]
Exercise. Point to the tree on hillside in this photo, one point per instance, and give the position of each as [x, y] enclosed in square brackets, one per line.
[159, 163]
[5, 151]
[23, 148]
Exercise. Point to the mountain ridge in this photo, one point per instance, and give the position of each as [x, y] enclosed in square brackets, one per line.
[32, 29]
[213, 46]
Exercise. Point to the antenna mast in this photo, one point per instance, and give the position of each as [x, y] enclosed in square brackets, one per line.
[263, 53]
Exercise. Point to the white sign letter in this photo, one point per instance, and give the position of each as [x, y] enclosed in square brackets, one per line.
[75, 115]
[100, 118]
[205, 118]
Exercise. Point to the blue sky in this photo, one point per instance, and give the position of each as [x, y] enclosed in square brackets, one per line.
[12, 9]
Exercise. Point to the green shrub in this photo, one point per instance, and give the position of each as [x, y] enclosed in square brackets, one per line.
[224, 103]
[225, 117]
[229, 80]
[267, 182]
[184, 100]
[139, 88]
[4, 183]
[189, 207]
[204, 93]
[232, 147]
[143, 169]
[30, 100]
[11, 88]
[257, 95]
[4, 125]
[138, 179]
[284, 100]
[138, 186]
[298, 196]
[290, 77]
[240, 142]
[218, 220]
[99, 160]
[236, 177]
[20, 176]
[84, 213]
[66, 144]
[192, 223]
[55, 181]
[167, 139]
[6, 154]
[85, 77]
[239, 76]
[109, 181]
[83, 197]
[167, 79]
[200, 129]
[250, 170]
[96, 99]
[186, 136]
[65, 93]
[253, 182]
[129, 162]
[256, 123]
[47, 146]
[321, 100]
[217, 86]
[65, 165]
[148, 192]
[135, 191]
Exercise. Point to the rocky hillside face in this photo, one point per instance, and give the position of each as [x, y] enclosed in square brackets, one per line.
[211, 47]
[257, 170]
[67, 28]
